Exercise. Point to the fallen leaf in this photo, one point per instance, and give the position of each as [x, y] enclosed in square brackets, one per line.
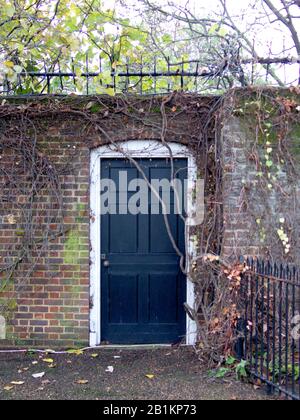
[23, 370]
[17, 382]
[82, 381]
[75, 351]
[48, 361]
[52, 366]
[38, 375]
[150, 376]
[46, 382]
[110, 369]
[258, 382]
[35, 363]
[8, 388]
[95, 355]
[117, 357]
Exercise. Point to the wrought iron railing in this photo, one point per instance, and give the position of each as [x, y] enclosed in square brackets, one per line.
[156, 77]
[271, 325]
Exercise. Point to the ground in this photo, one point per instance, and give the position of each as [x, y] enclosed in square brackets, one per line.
[158, 374]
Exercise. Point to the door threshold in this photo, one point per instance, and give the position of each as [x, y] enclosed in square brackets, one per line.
[134, 346]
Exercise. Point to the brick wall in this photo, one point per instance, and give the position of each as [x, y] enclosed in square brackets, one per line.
[52, 308]
[53, 305]
[255, 206]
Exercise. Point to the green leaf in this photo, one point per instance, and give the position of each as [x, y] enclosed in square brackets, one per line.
[223, 32]
[9, 10]
[269, 163]
[213, 29]
[241, 369]
[167, 38]
[230, 361]
[221, 373]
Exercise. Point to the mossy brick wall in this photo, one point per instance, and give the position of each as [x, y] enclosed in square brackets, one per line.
[52, 308]
[261, 199]
[53, 305]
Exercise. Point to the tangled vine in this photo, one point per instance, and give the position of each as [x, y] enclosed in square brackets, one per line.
[32, 194]
[270, 197]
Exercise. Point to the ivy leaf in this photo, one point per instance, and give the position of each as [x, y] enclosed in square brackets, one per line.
[230, 361]
[221, 373]
[268, 125]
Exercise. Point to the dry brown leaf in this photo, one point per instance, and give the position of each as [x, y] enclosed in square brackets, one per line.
[46, 382]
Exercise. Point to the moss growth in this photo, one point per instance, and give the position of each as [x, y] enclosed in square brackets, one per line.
[295, 140]
[71, 248]
[156, 110]
[95, 108]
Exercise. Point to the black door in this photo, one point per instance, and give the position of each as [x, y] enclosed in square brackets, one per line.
[142, 286]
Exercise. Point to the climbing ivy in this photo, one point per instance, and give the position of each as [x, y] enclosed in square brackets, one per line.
[270, 119]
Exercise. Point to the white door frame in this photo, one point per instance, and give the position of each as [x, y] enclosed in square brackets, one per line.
[136, 149]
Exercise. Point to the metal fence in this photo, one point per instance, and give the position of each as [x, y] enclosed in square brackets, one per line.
[161, 75]
[91, 77]
[271, 325]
